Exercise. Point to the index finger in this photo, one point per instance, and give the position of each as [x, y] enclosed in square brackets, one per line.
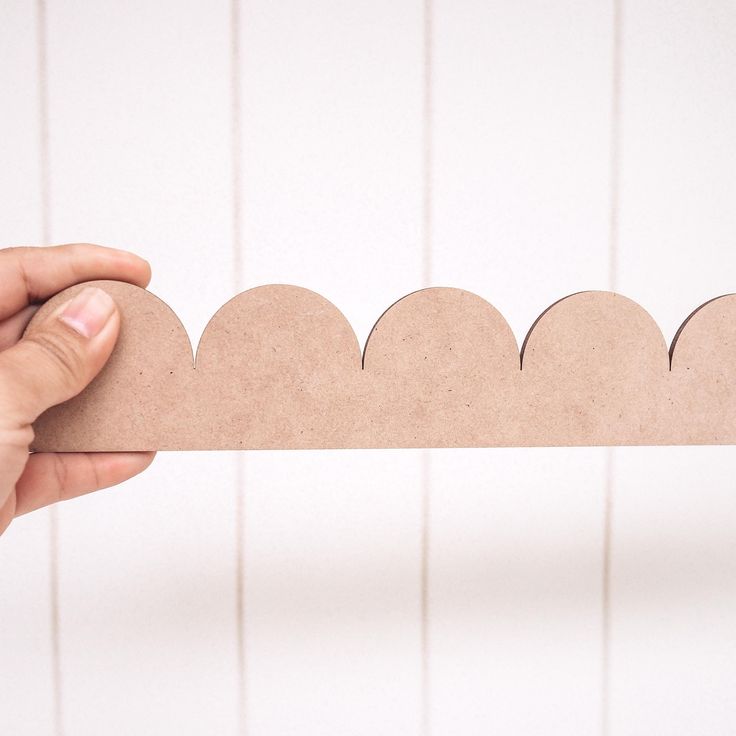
[33, 274]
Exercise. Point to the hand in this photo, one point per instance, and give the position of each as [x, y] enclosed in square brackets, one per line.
[52, 364]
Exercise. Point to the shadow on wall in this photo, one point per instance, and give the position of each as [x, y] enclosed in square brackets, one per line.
[511, 581]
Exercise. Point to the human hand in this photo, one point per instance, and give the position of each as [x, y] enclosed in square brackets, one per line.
[54, 362]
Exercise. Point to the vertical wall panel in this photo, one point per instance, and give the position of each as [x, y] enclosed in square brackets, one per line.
[140, 159]
[521, 131]
[20, 210]
[515, 576]
[674, 588]
[674, 592]
[332, 151]
[26, 694]
[520, 212]
[332, 201]
[330, 196]
[332, 592]
[678, 157]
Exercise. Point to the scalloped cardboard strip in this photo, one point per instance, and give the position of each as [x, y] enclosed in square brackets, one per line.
[279, 367]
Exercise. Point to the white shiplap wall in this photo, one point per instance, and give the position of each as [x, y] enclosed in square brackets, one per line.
[520, 150]
[331, 197]
[673, 571]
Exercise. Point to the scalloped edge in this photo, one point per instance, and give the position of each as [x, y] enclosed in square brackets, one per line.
[607, 388]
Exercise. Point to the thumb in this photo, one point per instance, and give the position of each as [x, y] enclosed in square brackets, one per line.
[58, 356]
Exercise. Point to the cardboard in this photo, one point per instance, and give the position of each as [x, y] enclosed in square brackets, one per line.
[279, 367]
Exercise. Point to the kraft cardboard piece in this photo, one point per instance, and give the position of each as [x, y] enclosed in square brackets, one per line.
[142, 397]
[279, 367]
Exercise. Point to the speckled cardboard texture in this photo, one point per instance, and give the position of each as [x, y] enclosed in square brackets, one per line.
[279, 367]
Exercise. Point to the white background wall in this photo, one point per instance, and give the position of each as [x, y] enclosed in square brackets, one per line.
[522, 150]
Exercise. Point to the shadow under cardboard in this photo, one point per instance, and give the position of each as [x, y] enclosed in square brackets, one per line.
[656, 570]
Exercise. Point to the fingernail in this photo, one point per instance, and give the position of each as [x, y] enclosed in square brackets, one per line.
[88, 312]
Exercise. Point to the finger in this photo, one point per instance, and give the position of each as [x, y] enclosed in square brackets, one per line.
[7, 512]
[57, 357]
[14, 443]
[11, 330]
[57, 476]
[32, 274]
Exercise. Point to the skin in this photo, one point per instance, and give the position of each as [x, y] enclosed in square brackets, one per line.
[50, 365]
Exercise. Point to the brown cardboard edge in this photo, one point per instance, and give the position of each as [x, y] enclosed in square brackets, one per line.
[347, 390]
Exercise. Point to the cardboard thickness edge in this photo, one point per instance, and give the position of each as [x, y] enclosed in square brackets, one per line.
[279, 367]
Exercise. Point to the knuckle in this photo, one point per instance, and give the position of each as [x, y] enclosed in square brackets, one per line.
[9, 393]
[6, 393]
[77, 251]
[17, 438]
[29, 435]
[15, 250]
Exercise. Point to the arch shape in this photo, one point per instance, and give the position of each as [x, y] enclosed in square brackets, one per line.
[704, 373]
[602, 321]
[705, 331]
[443, 365]
[276, 366]
[139, 400]
[594, 371]
[272, 301]
[440, 321]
